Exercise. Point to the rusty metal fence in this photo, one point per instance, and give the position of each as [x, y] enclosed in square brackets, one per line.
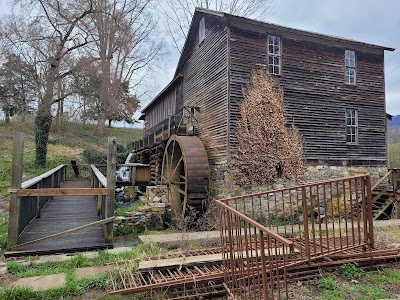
[266, 234]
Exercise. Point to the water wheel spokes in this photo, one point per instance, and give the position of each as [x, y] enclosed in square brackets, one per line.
[185, 171]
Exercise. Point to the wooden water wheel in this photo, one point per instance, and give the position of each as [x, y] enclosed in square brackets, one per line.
[186, 172]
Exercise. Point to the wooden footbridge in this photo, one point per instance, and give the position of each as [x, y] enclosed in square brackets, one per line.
[69, 208]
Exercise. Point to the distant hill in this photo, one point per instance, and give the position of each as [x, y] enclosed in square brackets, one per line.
[395, 123]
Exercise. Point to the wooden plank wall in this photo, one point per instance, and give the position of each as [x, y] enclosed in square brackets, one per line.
[316, 95]
[164, 107]
[179, 98]
[205, 84]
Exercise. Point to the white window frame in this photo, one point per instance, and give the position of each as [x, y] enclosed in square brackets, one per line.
[274, 55]
[202, 30]
[350, 66]
[351, 126]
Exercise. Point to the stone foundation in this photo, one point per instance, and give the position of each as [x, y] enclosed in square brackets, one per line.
[155, 214]
[222, 183]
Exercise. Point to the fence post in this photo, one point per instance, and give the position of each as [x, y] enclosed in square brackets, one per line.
[264, 266]
[16, 180]
[38, 199]
[395, 178]
[305, 221]
[369, 212]
[110, 202]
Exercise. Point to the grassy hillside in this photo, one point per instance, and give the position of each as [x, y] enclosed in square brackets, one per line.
[394, 154]
[66, 142]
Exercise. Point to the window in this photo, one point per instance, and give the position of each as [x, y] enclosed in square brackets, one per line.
[202, 30]
[274, 54]
[350, 58]
[351, 126]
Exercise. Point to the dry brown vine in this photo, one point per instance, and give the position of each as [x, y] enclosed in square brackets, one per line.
[266, 147]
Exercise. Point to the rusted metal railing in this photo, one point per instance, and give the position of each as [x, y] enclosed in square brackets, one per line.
[264, 234]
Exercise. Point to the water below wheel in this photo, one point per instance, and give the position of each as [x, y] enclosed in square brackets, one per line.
[186, 173]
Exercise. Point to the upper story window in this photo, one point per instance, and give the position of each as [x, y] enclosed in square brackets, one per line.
[274, 54]
[351, 126]
[202, 30]
[350, 59]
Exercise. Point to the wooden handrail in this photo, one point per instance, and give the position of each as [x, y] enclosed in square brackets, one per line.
[52, 192]
[382, 179]
[99, 175]
[33, 181]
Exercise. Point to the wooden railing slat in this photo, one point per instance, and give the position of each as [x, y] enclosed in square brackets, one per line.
[99, 175]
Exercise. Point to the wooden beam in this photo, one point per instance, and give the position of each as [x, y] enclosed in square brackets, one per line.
[61, 192]
[111, 178]
[104, 221]
[16, 179]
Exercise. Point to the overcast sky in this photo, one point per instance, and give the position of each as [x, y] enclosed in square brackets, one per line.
[370, 21]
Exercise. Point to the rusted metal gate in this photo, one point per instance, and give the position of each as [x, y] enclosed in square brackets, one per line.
[265, 235]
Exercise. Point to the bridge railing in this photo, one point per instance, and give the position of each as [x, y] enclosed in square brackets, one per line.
[28, 198]
[98, 180]
[31, 205]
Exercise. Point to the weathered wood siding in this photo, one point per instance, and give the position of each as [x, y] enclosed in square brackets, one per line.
[316, 95]
[160, 111]
[205, 84]
[179, 99]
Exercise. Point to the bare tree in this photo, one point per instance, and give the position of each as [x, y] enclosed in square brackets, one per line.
[178, 13]
[49, 30]
[125, 50]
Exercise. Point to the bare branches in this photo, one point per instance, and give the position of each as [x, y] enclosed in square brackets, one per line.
[266, 148]
[178, 13]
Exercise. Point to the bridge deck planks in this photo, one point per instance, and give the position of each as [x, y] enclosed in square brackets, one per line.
[62, 213]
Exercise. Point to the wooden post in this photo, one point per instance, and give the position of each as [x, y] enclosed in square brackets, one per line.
[169, 127]
[16, 180]
[305, 221]
[369, 212]
[395, 177]
[39, 185]
[111, 171]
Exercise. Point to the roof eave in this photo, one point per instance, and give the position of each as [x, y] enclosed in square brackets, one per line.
[179, 76]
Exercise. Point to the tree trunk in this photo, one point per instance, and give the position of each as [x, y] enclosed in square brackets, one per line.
[109, 123]
[44, 118]
[7, 111]
[100, 126]
[42, 131]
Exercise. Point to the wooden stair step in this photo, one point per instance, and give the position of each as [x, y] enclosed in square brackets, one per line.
[377, 213]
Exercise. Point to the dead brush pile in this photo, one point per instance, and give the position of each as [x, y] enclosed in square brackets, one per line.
[266, 148]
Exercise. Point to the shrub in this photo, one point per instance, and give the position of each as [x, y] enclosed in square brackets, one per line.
[326, 283]
[350, 271]
[92, 156]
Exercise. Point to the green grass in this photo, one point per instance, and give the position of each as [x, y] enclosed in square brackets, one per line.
[133, 208]
[65, 143]
[350, 271]
[73, 287]
[80, 261]
[394, 154]
[354, 284]
[3, 229]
